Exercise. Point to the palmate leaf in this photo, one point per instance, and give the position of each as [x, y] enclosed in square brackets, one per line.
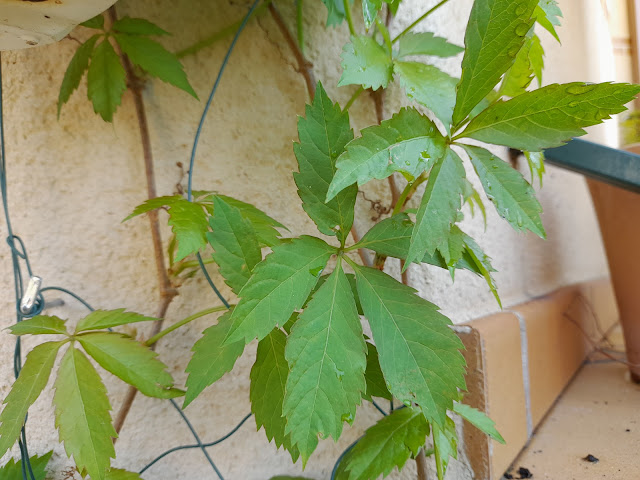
[100, 319]
[211, 358]
[264, 225]
[548, 15]
[82, 415]
[445, 444]
[495, 33]
[40, 325]
[376, 386]
[408, 142]
[75, 71]
[387, 444]
[365, 62]
[419, 354]
[154, 59]
[268, 380]
[429, 86]
[137, 26]
[13, 470]
[323, 134]
[33, 377]
[479, 420]
[513, 197]
[131, 362]
[528, 64]
[188, 222]
[235, 244]
[279, 285]
[327, 356]
[426, 43]
[549, 116]
[106, 80]
[440, 204]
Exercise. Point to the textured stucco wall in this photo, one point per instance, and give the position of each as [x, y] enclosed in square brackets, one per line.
[72, 182]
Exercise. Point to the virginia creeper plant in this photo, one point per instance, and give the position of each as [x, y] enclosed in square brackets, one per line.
[305, 299]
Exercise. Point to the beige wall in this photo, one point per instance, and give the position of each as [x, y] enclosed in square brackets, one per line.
[72, 182]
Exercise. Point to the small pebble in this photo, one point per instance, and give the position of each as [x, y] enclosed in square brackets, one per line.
[525, 473]
[591, 458]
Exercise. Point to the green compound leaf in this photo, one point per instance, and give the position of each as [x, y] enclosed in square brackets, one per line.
[280, 284]
[75, 71]
[426, 43]
[370, 9]
[154, 59]
[106, 80]
[26, 390]
[408, 142]
[495, 33]
[13, 470]
[419, 354]
[445, 445]
[235, 244]
[263, 224]
[323, 134]
[100, 319]
[536, 165]
[327, 356]
[96, 22]
[429, 86]
[40, 325]
[137, 26]
[514, 199]
[387, 444]
[268, 380]
[335, 12]
[440, 204]
[376, 386]
[479, 420]
[528, 64]
[365, 62]
[82, 415]
[118, 474]
[549, 116]
[548, 15]
[131, 362]
[211, 358]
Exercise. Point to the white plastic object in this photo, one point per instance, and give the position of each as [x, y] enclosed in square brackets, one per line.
[29, 23]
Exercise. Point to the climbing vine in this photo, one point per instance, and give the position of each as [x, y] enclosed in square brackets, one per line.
[305, 298]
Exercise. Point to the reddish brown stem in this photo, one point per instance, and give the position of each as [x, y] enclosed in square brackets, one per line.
[305, 67]
[167, 291]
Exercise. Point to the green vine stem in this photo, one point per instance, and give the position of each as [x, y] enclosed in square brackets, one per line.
[220, 34]
[183, 322]
[420, 19]
[347, 12]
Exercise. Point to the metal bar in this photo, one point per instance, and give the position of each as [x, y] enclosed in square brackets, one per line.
[608, 165]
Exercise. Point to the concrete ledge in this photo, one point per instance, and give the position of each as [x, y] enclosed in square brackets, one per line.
[520, 361]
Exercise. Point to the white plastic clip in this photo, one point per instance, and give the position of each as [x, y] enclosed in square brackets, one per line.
[30, 295]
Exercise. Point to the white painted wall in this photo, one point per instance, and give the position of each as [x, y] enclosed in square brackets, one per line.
[72, 182]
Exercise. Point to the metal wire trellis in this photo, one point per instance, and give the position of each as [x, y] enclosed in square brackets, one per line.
[19, 255]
